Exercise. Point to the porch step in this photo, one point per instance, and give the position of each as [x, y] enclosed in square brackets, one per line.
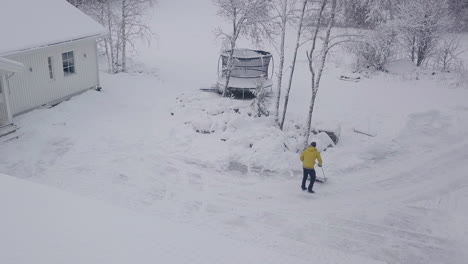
[8, 129]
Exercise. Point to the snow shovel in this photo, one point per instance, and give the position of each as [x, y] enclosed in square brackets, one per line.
[321, 180]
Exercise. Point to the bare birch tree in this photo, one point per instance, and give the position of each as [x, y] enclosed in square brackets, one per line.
[134, 25]
[375, 47]
[422, 23]
[316, 68]
[293, 65]
[448, 54]
[126, 21]
[247, 18]
[284, 11]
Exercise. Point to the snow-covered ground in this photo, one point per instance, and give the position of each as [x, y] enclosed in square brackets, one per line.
[398, 197]
[51, 226]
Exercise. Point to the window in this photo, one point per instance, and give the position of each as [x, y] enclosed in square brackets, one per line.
[51, 68]
[68, 60]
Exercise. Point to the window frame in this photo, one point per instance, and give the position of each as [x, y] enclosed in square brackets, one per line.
[68, 63]
[50, 67]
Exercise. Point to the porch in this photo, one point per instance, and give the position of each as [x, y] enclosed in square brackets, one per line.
[7, 69]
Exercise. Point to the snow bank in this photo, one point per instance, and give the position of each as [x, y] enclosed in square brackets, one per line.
[323, 141]
[44, 225]
[400, 67]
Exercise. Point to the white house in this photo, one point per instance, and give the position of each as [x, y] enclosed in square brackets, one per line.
[48, 53]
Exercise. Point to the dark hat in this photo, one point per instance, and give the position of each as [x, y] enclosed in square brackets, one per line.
[313, 144]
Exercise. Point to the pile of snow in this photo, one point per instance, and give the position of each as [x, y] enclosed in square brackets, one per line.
[323, 141]
[231, 133]
[400, 67]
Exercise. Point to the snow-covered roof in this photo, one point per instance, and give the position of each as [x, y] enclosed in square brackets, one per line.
[247, 53]
[7, 65]
[30, 24]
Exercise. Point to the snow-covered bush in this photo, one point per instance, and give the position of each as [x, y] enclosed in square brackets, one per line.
[402, 67]
[461, 72]
[354, 13]
[261, 102]
[376, 48]
[447, 55]
[422, 24]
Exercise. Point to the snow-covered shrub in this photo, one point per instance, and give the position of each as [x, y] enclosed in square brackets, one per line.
[354, 14]
[400, 67]
[203, 126]
[376, 48]
[422, 24]
[224, 133]
[447, 55]
[261, 102]
[461, 72]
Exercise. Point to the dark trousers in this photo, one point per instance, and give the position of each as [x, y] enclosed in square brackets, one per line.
[308, 172]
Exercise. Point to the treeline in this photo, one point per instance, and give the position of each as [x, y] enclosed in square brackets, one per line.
[371, 13]
[424, 31]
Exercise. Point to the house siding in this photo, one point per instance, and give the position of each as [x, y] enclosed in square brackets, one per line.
[3, 109]
[34, 88]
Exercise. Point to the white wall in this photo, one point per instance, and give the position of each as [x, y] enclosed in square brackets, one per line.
[3, 110]
[33, 88]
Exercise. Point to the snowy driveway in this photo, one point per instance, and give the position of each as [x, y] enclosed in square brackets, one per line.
[121, 146]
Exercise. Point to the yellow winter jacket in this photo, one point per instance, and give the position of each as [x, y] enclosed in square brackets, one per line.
[309, 156]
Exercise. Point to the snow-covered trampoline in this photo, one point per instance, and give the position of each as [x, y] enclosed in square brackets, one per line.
[250, 69]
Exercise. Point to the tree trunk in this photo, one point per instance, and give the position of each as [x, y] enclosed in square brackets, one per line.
[311, 111]
[230, 65]
[422, 52]
[281, 64]
[413, 49]
[124, 36]
[326, 43]
[109, 63]
[111, 42]
[106, 42]
[316, 83]
[293, 66]
[116, 55]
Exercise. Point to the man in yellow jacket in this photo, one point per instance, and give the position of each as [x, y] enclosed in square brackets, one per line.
[308, 158]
